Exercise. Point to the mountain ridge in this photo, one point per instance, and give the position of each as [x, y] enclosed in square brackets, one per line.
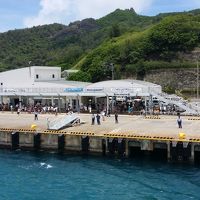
[69, 46]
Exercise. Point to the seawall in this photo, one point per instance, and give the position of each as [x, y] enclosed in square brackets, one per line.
[129, 145]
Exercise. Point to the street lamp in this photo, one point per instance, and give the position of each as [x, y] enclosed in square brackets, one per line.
[197, 62]
[112, 70]
[197, 79]
[1, 98]
[29, 65]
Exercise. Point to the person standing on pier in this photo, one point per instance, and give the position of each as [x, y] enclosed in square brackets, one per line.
[109, 111]
[98, 119]
[11, 108]
[48, 123]
[179, 121]
[36, 115]
[18, 111]
[103, 115]
[90, 109]
[93, 119]
[116, 118]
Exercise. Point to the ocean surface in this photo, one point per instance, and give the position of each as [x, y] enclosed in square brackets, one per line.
[48, 176]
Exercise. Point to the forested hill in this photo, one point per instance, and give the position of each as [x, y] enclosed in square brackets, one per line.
[61, 45]
[133, 43]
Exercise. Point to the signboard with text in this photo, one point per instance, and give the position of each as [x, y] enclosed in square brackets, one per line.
[73, 90]
[125, 91]
[94, 89]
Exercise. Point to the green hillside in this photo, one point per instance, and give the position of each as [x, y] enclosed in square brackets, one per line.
[158, 46]
[132, 43]
[61, 45]
[126, 19]
[18, 47]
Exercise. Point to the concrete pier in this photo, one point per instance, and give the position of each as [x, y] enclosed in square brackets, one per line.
[172, 149]
[95, 145]
[26, 140]
[73, 143]
[107, 139]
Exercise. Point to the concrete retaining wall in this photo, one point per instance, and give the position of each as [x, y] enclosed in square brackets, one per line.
[5, 139]
[49, 141]
[73, 143]
[95, 145]
[172, 150]
[175, 78]
[26, 140]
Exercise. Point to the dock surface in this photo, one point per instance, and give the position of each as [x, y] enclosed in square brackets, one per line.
[164, 126]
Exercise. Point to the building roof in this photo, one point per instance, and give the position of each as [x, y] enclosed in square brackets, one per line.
[23, 78]
[24, 81]
[125, 87]
[124, 83]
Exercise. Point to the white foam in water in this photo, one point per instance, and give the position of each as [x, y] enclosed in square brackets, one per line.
[25, 167]
[49, 166]
[42, 164]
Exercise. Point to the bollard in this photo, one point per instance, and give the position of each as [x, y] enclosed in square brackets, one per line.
[37, 141]
[15, 140]
[61, 143]
[85, 144]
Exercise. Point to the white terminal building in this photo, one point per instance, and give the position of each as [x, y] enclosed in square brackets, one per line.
[44, 85]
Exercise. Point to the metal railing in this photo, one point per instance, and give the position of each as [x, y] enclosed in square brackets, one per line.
[176, 100]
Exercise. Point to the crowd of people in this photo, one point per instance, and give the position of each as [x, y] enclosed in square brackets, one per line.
[96, 118]
[125, 108]
[101, 116]
[29, 108]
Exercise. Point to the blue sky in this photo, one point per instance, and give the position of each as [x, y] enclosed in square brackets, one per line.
[16, 14]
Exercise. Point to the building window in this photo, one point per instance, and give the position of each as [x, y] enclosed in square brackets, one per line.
[37, 76]
[53, 76]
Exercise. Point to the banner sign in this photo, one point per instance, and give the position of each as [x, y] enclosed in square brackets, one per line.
[73, 90]
[125, 91]
[94, 89]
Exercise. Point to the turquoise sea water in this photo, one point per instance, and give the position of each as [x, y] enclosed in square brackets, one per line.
[27, 176]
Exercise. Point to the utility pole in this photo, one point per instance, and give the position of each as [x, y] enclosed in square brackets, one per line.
[197, 79]
[112, 70]
[196, 57]
[29, 65]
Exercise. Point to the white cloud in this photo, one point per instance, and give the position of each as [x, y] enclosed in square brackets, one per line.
[51, 11]
[65, 11]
